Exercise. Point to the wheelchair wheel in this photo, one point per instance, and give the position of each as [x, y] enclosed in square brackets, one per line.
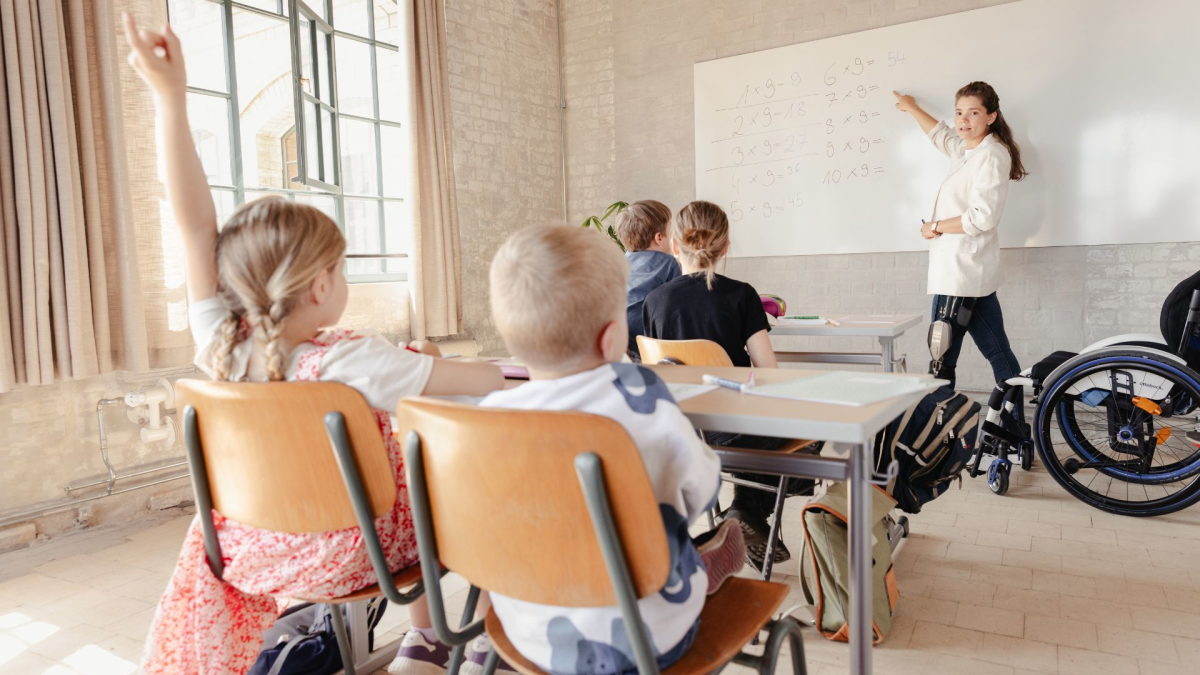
[1111, 429]
[1025, 452]
[997, 478]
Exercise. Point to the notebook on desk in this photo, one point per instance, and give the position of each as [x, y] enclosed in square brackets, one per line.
[511, 369]
[802, 321]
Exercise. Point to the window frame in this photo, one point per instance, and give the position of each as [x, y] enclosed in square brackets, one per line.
[290, 11]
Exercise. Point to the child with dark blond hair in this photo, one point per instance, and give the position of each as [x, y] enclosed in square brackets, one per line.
[642, 228]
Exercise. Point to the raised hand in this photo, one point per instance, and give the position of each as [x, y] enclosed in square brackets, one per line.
[158, 58]
[904, 102]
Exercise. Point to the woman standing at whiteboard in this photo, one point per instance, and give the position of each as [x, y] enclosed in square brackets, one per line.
[964, 246]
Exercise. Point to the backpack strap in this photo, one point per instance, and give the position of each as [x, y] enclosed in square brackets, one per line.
[891, 454]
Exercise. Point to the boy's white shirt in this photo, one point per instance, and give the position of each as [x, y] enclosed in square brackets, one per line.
[382, 372]
[685, 475]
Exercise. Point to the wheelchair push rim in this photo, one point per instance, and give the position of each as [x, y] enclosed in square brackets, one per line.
[1113, 482]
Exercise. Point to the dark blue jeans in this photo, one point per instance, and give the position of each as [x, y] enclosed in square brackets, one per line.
[987, 330]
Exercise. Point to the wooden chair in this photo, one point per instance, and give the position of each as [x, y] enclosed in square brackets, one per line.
[683, 352]
[709, 353]
[296, 457]
[469, 473]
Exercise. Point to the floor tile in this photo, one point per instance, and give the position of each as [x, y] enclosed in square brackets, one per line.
[1072, 661]
[1061, 631]
[1138, 644]
[990, 620]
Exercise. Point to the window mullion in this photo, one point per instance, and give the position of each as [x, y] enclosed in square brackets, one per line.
[235, 120]
[383, 247]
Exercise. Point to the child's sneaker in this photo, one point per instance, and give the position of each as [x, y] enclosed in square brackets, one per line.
[476, 655]
[755, 532]
[723, 552]
[421, 653]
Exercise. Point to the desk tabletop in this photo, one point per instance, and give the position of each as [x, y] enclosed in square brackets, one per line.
[732, 411]
[856, 325]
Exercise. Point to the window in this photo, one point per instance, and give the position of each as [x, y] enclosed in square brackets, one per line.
[304, 100]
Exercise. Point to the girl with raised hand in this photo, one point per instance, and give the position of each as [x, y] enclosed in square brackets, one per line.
[260, 293]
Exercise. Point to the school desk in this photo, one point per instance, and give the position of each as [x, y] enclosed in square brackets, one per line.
[886, 328]
[851, 429]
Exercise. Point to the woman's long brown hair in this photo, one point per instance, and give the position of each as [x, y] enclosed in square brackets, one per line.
[991, 102]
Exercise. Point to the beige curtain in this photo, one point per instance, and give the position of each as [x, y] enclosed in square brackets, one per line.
[70, 302]
[436, 279]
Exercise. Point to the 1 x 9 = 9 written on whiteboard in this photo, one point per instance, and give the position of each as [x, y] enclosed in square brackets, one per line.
[804, 148]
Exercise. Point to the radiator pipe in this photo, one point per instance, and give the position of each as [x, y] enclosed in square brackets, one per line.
[123, 476]
[112, 472]
[12, 518]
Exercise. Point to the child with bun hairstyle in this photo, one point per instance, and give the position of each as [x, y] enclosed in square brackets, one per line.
[704, 305]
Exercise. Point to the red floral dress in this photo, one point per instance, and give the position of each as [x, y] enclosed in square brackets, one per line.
[206, 625]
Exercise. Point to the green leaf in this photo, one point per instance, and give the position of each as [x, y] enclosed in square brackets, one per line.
[615, 207]
[613, 235]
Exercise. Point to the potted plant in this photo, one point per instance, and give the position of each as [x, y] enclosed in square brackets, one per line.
[598, 223]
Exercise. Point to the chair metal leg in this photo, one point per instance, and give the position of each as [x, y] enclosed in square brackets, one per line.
[343, 640]
[591, 479]
[456, 654]
[493, 660]
[776, 533]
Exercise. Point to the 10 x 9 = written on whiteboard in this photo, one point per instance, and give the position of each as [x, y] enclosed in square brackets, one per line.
[804, 148]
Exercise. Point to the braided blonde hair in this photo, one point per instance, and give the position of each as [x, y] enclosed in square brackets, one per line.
[701, 231]
[268, 255]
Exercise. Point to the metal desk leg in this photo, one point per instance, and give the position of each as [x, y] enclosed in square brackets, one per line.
[888, 355]
[861, 591]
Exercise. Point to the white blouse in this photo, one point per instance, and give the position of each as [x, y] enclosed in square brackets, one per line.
[968, 264]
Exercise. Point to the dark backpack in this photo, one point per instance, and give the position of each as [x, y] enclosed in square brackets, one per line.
[302, 642]
[1174, 315]
[932, 443]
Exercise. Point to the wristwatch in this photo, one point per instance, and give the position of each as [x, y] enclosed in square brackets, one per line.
[933, 228]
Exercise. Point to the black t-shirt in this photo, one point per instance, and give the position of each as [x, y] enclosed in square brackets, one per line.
[685, 309]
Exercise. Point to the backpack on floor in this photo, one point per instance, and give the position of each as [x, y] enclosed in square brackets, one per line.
[932, 443]
[302, 642]
[825, 568]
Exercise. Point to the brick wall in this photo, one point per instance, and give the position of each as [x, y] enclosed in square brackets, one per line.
[630, 136]
[504, 102]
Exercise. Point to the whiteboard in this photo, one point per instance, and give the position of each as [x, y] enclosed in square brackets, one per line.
[804, 148]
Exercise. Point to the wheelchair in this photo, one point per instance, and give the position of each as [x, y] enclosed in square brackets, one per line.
[1116, 425]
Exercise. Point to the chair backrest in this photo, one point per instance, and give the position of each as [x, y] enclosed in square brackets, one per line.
[269, 460]
[686, 352]
[507, 509]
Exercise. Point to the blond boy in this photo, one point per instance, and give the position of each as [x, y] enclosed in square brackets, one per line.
[558, 299]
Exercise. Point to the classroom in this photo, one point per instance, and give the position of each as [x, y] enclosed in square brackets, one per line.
[410, 337]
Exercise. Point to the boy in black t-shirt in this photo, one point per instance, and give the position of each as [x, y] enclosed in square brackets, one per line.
[704, 305]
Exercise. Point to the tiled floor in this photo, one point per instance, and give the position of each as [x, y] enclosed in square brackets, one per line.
[1032, 582]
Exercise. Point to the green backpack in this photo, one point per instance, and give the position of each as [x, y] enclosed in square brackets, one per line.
[825, 560]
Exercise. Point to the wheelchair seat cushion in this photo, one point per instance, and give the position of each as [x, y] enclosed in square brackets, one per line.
[1174, 315]
[1042, 369]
